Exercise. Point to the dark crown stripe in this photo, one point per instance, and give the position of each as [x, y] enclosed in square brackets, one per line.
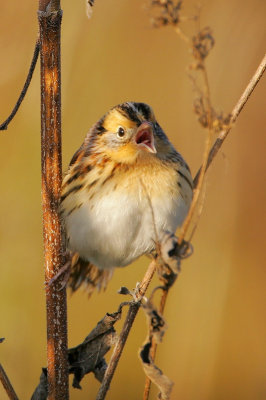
[129, 112]
[144, 109]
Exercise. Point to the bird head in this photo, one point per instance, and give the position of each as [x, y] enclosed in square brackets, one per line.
[126, 132]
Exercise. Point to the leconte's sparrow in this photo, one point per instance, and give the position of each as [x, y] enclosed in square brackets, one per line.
[125, 186]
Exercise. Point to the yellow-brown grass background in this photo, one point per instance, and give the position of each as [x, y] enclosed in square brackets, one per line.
[214, 348]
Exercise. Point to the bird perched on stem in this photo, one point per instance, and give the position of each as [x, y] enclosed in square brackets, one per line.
[124, 188]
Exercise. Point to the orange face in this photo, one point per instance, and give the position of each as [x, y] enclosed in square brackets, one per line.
[125, 139]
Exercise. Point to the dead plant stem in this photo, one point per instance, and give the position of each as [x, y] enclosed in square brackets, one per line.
[7, 384]
[130, 317]
[235, 113]
[50, 16]
[208, 142]
[24, 90]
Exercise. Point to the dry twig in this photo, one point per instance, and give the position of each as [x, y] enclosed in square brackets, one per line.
[7, 384]
[5, 124]
[132, 312]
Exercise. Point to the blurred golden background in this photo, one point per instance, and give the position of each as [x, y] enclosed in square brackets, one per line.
[215, 347]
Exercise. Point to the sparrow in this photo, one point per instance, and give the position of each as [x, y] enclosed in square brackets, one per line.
[125, 186]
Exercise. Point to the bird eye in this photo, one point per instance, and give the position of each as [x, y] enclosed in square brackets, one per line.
[120, 132]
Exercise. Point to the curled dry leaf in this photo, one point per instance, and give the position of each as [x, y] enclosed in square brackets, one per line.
[157, 327]
[124, 290]
[154, 373]
[169, 246]
[171, 255]
[88, 356]
[41, 391]
[156, 322]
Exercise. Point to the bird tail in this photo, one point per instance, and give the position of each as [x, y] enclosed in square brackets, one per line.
[83, 273]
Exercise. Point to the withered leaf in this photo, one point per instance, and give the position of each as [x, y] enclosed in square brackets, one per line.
[41, 391]
[154, 373]
[124, 290]
[156, 322]
[88, 356]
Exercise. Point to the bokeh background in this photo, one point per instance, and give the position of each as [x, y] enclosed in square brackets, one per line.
[215, 346]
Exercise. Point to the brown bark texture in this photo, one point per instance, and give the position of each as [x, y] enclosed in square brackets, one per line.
[50, 25]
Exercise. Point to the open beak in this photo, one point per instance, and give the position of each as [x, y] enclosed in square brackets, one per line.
[145, 138]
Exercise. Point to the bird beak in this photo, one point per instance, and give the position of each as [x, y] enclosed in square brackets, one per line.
[144, 137]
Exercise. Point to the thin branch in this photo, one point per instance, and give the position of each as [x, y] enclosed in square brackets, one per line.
[5, 124]
[236, 111]
[7, 384]
[132, 312]
[197, 190]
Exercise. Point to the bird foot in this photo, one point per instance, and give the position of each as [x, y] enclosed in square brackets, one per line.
[65, 270]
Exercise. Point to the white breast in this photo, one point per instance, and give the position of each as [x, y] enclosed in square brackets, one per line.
[116, 228]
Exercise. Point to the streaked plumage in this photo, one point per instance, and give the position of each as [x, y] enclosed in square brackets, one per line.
[124, 187]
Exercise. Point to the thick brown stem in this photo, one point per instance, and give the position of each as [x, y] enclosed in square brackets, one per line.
[50, 17]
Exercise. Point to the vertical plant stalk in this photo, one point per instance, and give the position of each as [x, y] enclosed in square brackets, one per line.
[50, 16]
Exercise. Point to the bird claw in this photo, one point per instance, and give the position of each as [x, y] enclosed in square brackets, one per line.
[137, 295]
[172, 252]
[170, 258]
[65, 270]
